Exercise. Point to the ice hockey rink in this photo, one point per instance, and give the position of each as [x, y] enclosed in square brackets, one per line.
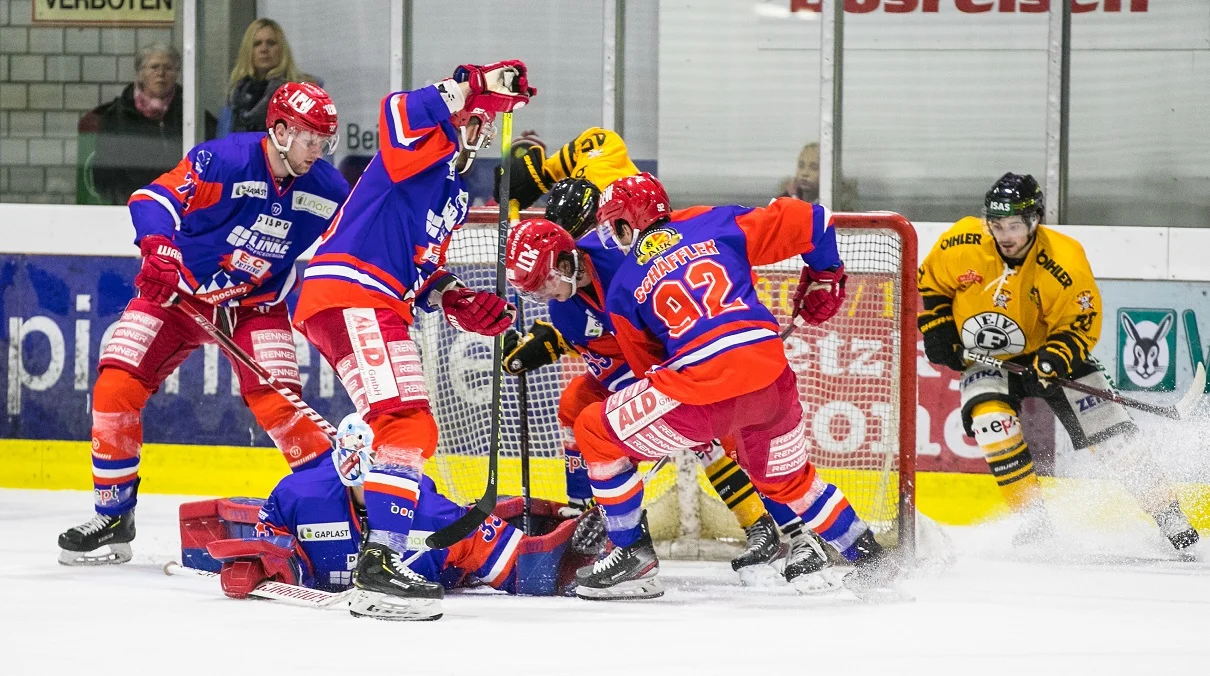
[1108, 603]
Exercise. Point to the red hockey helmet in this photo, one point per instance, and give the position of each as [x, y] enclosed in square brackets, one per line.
[531, 257]
[637, 201]
[308, 113]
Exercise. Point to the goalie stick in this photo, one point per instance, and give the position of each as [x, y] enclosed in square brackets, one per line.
[289, 594]
[237, 353]
[1181, 410]
[483, 508]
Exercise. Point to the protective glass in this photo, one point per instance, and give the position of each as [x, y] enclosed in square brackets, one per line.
[311, 142]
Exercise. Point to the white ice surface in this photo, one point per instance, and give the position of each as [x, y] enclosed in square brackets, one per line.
[1110, 604]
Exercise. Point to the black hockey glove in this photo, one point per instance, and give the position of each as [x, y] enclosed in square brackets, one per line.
[941, 343]
[543, 345]
[527, 181]
[1045, 365]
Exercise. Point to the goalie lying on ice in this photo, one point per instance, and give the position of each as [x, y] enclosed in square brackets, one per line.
[310, 529]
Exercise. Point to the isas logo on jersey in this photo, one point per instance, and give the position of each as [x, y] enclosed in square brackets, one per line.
[993, 333]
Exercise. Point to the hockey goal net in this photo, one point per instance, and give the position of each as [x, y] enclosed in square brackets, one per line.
[856, 377]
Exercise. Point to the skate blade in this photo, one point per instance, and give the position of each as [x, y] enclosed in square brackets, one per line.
[363, 603]
[760, 575]
[823, 581]
[117, 553]
[642, 588]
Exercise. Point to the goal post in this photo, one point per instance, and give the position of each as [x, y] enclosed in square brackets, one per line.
[856, 378]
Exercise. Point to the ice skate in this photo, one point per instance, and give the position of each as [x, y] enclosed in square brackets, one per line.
[875, 576]
[764, 547]
[1177, 529]
[112, 534]
[625, 573]
[385, 589]
[808, 567]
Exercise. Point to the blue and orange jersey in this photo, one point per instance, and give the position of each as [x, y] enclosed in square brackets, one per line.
[391, 235]
[583, 321]
[684, 304]
[316, 508]
[238, 230]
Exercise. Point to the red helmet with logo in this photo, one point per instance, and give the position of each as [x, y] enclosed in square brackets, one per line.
[304, 107]
[531, 257]
[638, 201]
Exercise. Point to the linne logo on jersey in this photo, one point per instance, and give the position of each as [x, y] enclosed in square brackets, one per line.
[305, 201]
[993, 333]
[317, 532]
[439, 226]
[263, 245]
[655, 242]
[257, 189]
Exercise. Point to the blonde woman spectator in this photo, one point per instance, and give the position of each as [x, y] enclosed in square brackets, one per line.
[264, 64]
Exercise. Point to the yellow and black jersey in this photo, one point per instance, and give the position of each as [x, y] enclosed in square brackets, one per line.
[598, 155]
[1051, 298]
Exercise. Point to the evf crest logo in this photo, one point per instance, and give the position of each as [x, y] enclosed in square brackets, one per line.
[1148, 344]
[994, 334]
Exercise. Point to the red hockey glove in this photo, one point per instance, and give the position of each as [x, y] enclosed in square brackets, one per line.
[476, 311]
[157, 279]
[819, 295]
[249, 562]
[499, 87]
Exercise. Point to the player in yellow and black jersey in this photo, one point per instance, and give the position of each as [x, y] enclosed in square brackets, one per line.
[1008, 287]
[574, 176]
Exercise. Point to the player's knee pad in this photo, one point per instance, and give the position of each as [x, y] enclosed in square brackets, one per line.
[117, 421]
[299, 439]
[407, 437]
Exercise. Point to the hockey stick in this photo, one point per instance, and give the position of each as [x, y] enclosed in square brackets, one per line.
[1182, 409]
[522, 408]
[237, 353]
[483, 508]
[288, 594]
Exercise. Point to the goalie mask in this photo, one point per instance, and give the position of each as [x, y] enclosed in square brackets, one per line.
[531, 260]
[1012, 210]
[310, 119]
[637, 202]
[476, 129]
[353, 456]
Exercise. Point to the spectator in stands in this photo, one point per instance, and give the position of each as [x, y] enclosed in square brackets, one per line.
[264, 63]
[139, 132]
[804, 184]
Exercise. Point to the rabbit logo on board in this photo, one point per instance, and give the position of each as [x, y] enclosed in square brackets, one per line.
[1148, 343]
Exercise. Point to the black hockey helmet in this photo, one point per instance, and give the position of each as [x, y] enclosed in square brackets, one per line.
[573, 205]
[1015, 195]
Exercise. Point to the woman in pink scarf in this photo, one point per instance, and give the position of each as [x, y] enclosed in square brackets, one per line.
[139, 136]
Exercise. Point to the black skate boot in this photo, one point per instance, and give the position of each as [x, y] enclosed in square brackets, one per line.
[875, 575]
[385, 589]
[764, 547]
[1176, 527]
[807, 566]
[625, 573]
[100, 531]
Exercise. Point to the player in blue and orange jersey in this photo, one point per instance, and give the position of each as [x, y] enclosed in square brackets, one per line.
[220, 232]
[383, 256]
[686, 314]
[309, 530]
[546, 264]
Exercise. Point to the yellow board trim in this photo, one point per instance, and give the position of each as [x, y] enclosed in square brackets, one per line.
[946, 497]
